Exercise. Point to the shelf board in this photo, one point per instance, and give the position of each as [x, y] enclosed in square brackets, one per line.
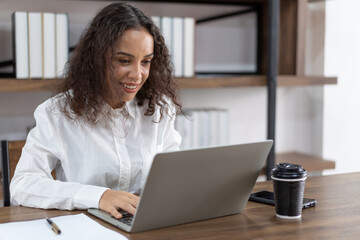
[36, 85]
[26, 85]
[252, 81]
[308, 162]
[292, 80]
[221, 81]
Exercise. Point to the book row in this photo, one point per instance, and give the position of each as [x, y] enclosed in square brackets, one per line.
[40, 44]
[203, 127]
[179, 35]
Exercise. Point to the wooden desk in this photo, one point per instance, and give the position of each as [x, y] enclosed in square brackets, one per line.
[336, 216]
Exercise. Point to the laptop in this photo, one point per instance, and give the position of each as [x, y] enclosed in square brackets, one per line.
[192, 185]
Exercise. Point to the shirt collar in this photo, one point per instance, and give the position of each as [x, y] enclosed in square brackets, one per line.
[131, 107]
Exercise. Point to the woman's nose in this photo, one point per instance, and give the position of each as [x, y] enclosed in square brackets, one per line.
[135, 72]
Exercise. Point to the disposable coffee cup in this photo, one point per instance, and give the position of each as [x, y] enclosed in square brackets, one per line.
[289, 184]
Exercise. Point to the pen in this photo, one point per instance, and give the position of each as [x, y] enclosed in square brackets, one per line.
[54, 227]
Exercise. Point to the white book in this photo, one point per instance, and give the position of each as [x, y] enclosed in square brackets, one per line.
[224, 127]
[35, 44]
[188, 130]
[195, 128]
[178, 46]
[189, 47]
[49, 45]
[200, 127]
[205, 128]
[20, 44]
[214, 127]
[166, 29]
[62, 43]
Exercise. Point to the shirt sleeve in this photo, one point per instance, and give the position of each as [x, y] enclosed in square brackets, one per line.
[172, 138]
[33, 185]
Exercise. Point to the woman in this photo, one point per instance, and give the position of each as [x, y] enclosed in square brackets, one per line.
[115, 111]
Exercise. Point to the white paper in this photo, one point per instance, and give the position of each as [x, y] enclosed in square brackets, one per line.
[75, 227]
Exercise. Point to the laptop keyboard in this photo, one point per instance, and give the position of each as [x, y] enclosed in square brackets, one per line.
[127, 218]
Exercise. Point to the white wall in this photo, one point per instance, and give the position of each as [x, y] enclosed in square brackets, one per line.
[217, 55]
[298, 108]
[299, 119]
[342, 102]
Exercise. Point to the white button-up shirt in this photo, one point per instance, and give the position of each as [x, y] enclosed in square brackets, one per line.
[88, 160]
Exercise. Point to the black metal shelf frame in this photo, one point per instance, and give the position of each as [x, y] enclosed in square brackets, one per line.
[272, 72]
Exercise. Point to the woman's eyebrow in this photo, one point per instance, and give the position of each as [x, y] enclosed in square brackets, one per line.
[130, 55]
[149, 55]
[124, 53]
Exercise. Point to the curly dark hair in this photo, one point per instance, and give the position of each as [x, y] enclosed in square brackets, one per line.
[85, 78]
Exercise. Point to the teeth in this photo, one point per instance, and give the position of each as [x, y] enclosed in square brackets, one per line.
[128, 86]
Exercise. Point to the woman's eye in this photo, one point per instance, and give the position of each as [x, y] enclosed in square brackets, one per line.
[146, 62]
[124, 61]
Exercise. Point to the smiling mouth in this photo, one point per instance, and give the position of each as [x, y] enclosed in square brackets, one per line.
[129, 87]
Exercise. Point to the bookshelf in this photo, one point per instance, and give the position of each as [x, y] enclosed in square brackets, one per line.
[289, 69]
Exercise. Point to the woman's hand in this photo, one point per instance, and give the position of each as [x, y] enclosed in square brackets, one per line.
[111, 201]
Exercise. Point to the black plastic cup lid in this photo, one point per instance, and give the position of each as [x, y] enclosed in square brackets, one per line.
[288, 171]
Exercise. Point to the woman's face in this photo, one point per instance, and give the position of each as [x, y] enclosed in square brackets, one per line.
[131, 66]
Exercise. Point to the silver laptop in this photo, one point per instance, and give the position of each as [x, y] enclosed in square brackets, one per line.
[193, 185]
